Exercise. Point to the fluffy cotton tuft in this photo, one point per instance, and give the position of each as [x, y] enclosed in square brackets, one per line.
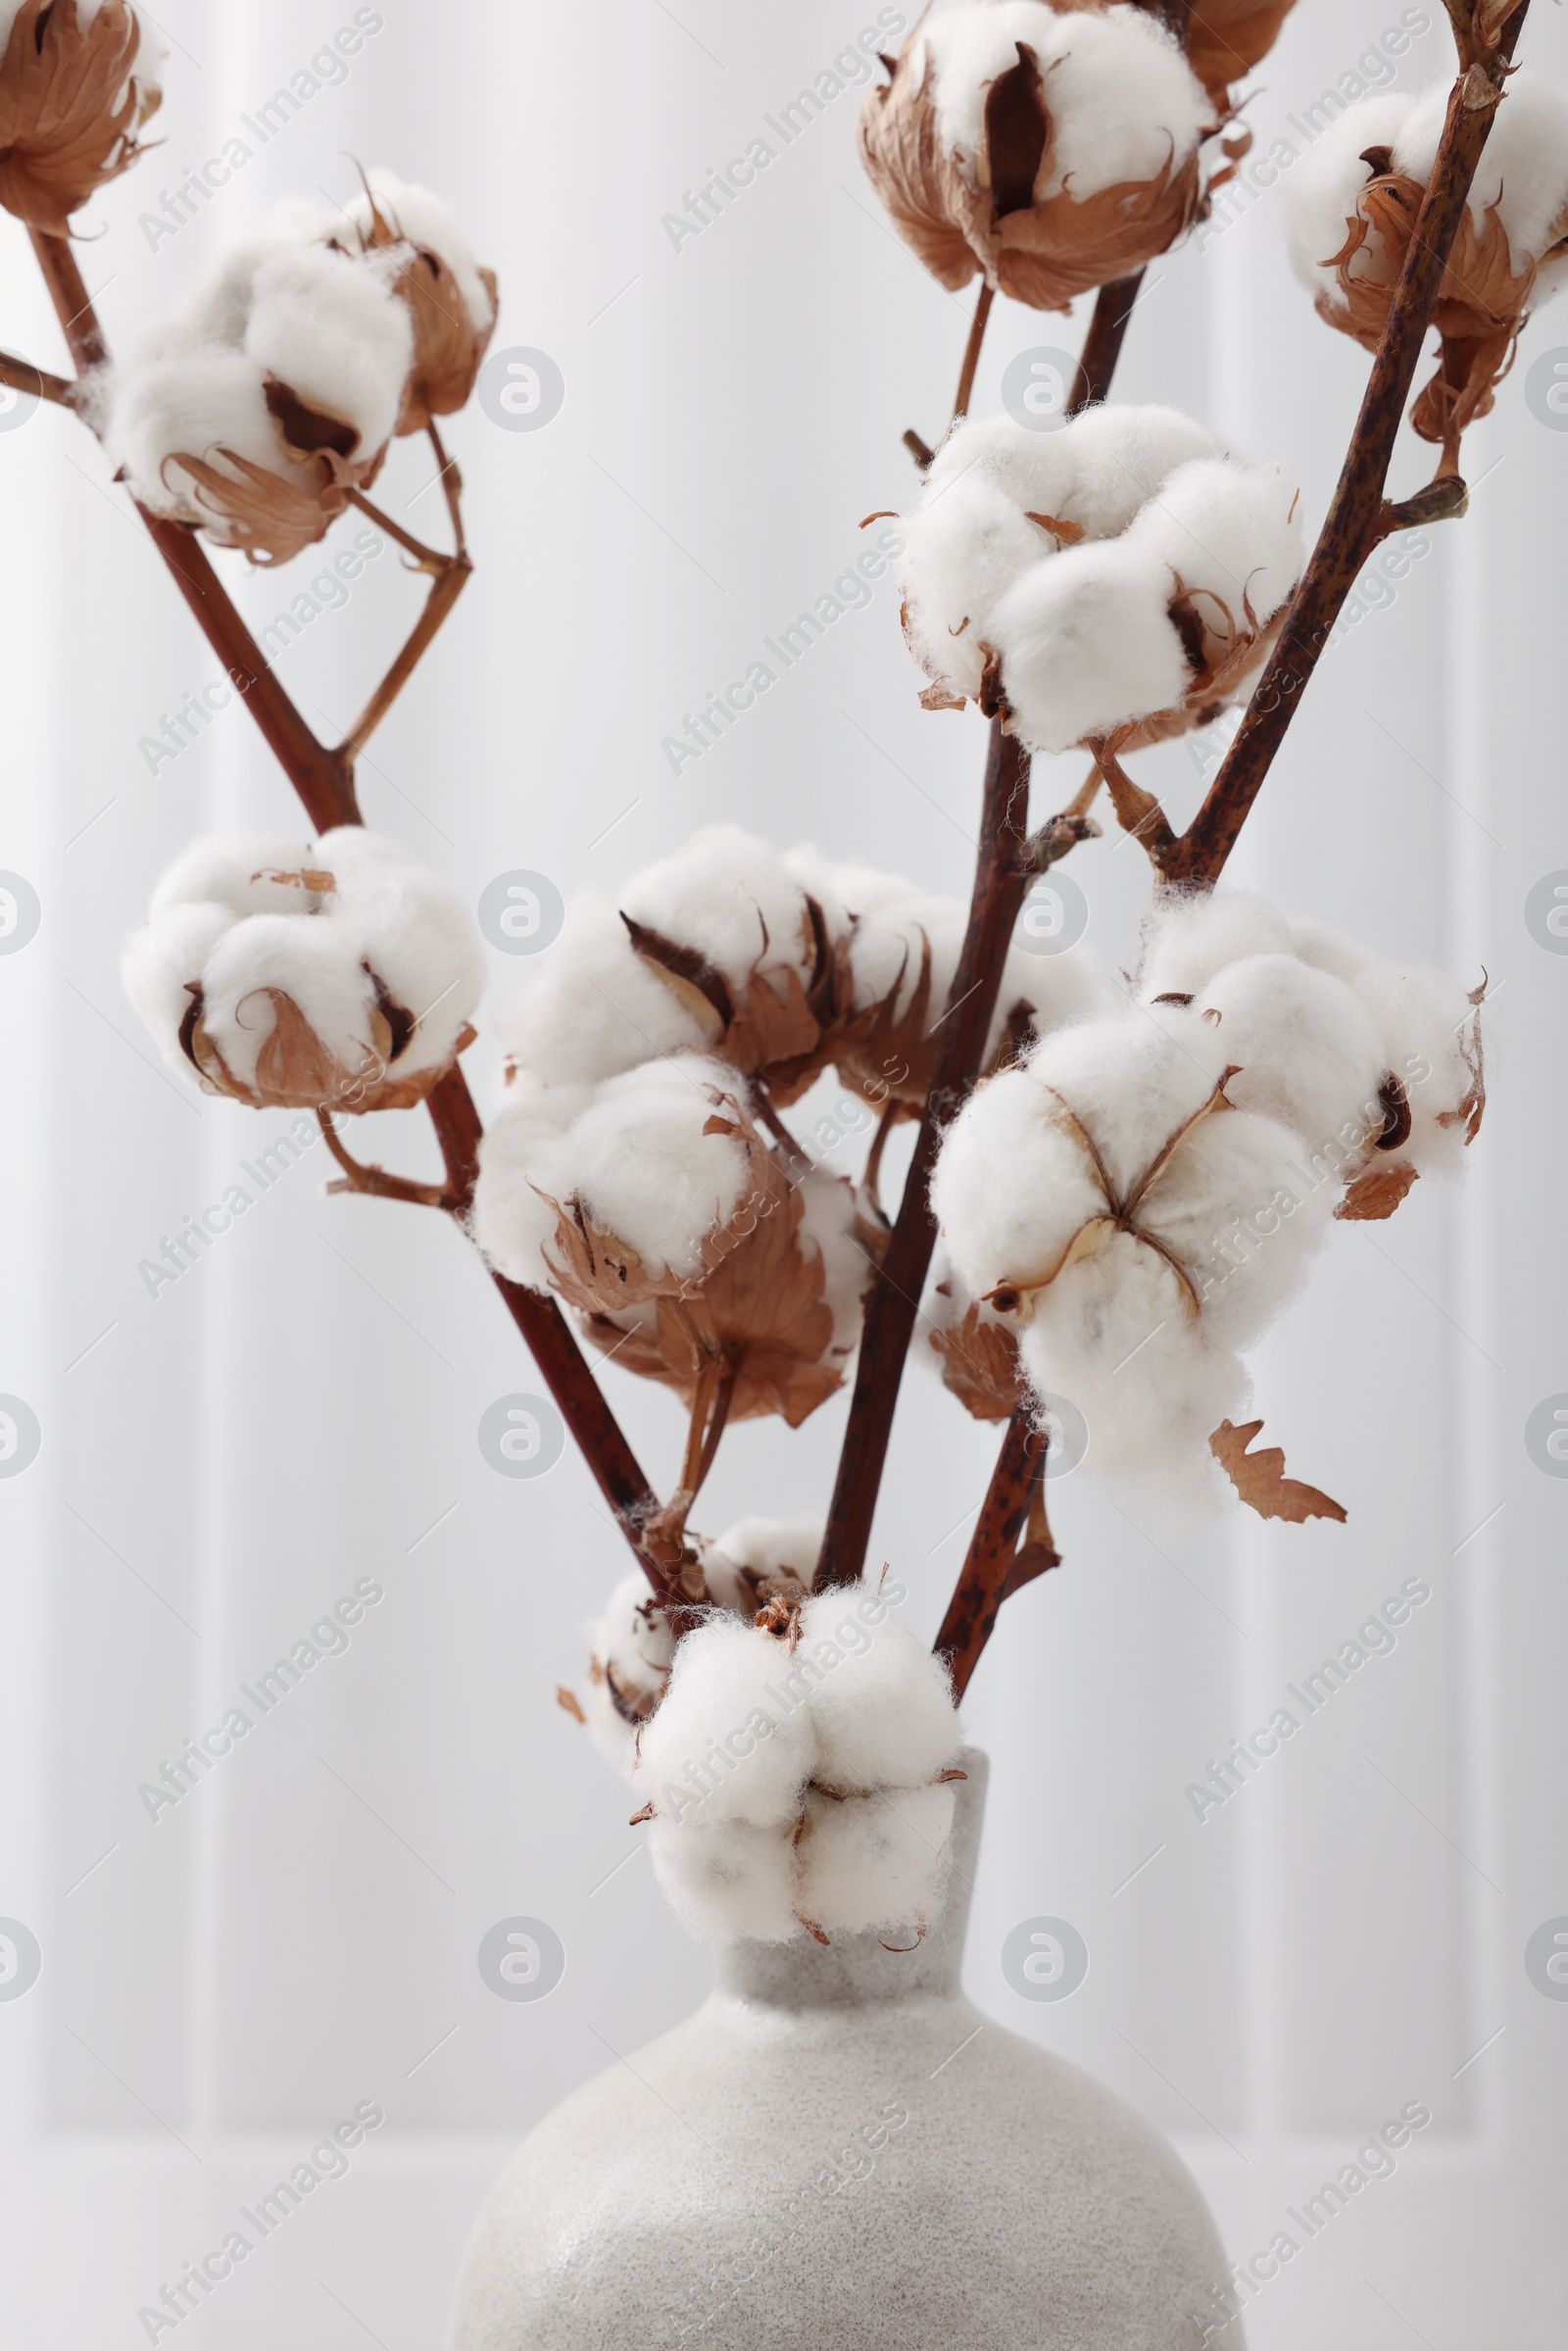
[741, 1565]
[339, 973]
[630, 1649]
[333, 330]
[795, 1773]
[1118, 574]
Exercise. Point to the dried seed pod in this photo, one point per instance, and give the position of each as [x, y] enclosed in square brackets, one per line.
[1050, 149]
[340, 979]
[78, 79]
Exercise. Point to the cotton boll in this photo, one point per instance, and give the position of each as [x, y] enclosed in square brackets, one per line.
[423, 220]
[1230, 533]
[1029, 470]
[1309, 1052]
[197, 404]
[1120, 456]
[333, 332]
[965, 551]
[881, 1703]
[1011, 1187]
[1427, 1025]
[1323, 187]
[733, 1738]
[731, 897]
[876, 1861]
[597, 1009]
[727, 1881]
[644, 1168]
[1087, 643]
[1191, 935]
[417, 935]
[756, 1551]
[303, 960]
[1119, 92]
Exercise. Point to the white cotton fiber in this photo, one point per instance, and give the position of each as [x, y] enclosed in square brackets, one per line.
[756, 1551]
[194, 404]
[1120, 456]
[599, 1008]
[876, 1861]
[1087, 643]
[333, 332]
[423, 220]
[1523, 169]
[965, 551]
[630, 1647]
[882, 1711]
[1309, 1052]
[1330, 950]
[1121, 98]
[732, 898]
[1322, 190]
[727, 1881]
[728, 1743]
[1192, 934]
[827, 1219]
[632, 1149]
[1232, 535]
[1427, 1025]
[159, 963]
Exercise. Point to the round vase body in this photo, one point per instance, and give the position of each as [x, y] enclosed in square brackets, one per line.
[840, 2150]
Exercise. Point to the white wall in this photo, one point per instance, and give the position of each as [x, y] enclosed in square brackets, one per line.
[219, 1464]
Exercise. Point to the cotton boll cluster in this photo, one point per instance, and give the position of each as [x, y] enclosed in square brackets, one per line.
[693, 1253]
[338, 974]
[1051, 149]
[1352, 210]
[793, 1772]
[254, 417]
[78, 79]
[1116, 581]
[781, 963]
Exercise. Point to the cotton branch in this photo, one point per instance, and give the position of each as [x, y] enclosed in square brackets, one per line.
[22, 376]
[325, 782]
[1358, 516]
[996, 1565]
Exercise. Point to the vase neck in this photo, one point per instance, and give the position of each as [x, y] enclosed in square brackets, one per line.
[854, 1969]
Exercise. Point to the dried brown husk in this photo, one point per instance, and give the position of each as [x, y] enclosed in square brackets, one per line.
[1482, 303]
[296, 1070]
[1260, 1481]
[1042, 253]
[773, 1027]
[448, 347]
[71, 106]
[980, 1365]
[757, 1312]
[1227, 38]
[272, 516]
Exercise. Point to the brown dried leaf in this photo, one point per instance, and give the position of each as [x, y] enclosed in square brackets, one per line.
[271, 518]
[71, 106]
[1373, 1196]
[569, 1701]
[980, 1365]
[296, 1070]
[1260, 1478]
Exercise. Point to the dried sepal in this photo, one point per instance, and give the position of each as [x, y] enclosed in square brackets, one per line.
[1377, 1191]
[1227, 38]
[980, 1364]
[1260, 1478]
[71, 102]
[1481, 302]
[570, 1703]
[272, 517]
[296, 1070]
[448, 344]
[757, 1309]
[773, 1026]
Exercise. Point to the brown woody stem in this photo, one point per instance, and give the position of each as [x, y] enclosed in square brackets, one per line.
[917, 449]
[1108, 330]
[992, 1567]
[971, 352]
[324, 783]
[1137, 812]
[22, 376]
[1351, 529]
[1001, 882]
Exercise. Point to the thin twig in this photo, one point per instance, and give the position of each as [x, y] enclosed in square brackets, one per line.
[1351, 529]
[1137, 812]
[22, 376]
[358, 1177]
[325, 786]
[894, 1112]
[443, 596]
[971, 350]
[1108, 330]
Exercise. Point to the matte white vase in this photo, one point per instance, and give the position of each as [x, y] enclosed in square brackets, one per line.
[840, 2152]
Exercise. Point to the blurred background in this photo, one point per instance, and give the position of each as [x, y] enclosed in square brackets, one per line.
[218, 1464]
